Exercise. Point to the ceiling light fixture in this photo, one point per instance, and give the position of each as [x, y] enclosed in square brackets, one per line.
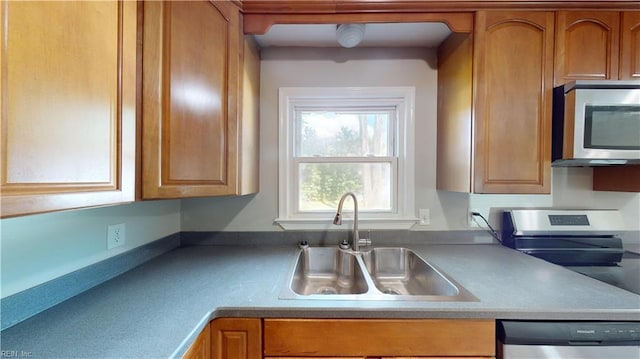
[349, 35]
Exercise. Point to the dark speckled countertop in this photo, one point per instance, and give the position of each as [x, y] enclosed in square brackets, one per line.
[157, 309]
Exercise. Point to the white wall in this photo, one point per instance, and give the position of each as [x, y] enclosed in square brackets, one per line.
[571, 188]
[284, 67]
[38, 248]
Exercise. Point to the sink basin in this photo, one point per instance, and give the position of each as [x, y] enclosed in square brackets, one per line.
[331, 273]
[327, 271]
[400, 271]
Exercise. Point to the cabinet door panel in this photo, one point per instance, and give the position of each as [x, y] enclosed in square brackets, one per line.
[236, 338]
[630, 46]
[195, 125]
[514, 67]
[68, 104]
[587, 45]
[384, 337]
[190, 104]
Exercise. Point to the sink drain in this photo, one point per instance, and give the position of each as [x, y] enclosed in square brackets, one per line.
[390, 291]
[327, 290]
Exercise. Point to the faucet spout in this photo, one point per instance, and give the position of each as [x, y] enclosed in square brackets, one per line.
[355, 245]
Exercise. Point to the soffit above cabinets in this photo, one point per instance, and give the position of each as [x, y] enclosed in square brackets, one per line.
[424, 34]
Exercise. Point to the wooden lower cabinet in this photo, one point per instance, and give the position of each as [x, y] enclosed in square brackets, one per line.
[201, 348]
[378, 338]
[236, 338]
[251, 338]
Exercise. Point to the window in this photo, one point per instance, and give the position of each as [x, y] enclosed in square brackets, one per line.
[338, 140]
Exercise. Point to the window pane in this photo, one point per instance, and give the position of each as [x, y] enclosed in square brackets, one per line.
[322, 184]
[343, 134]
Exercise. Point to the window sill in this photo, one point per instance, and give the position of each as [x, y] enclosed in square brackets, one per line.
[327, 224]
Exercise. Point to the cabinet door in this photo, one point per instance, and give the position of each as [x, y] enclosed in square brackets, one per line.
[378, 337]
[201, 348]
[236, 338]
[67, 98]
[630, 46]
[587, 45]
[191, 67]
[513, 57]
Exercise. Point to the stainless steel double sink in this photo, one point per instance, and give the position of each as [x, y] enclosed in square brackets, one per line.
[397, 273]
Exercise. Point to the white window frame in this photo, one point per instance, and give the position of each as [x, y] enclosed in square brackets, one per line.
[402, 99]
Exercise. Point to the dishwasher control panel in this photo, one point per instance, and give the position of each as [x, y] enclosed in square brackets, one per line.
[569, 333]
[620, 332]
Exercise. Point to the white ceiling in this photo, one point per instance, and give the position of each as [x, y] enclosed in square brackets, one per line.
[425, 34]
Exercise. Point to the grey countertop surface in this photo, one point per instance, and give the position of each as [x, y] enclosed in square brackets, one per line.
[156, 310]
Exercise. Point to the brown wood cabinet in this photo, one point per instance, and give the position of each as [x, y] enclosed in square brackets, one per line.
[250, 338]
[630, 46]
[617, 178]
[358, 338]
[68, 100]
[249, 154]
[236, 338]
[587, 45]
[201, 348]
[455, 104]
[513, 67]
[191, 106]
[597, 45]
[509, 105]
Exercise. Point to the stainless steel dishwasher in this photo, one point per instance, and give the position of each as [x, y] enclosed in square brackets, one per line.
[568, 340]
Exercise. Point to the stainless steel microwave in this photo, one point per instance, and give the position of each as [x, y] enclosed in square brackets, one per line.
[596, 123]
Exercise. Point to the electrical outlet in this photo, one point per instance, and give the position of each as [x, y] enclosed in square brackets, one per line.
[472, 221]
[425, 216]
[116, 235]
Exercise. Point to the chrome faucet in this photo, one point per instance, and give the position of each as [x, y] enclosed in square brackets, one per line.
[355, 245]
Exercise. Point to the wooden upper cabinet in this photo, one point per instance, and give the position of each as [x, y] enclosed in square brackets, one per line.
[588, 45]
[630, 46]
[191, 82]
[68, 101]
[513, 69]
[455, 84]
[249, 125]
[597, 45]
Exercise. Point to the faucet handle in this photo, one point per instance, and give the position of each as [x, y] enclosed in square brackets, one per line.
[365, 241]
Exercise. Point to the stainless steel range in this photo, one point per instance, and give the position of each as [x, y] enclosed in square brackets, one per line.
[586, 241]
